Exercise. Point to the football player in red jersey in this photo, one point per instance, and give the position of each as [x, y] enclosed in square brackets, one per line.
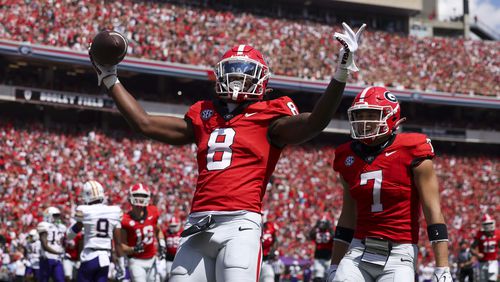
[239, 137]
[387, 178]
[322, 235]
[72, 256]
[485, 248]
[141, 232]
[268, 248]
[172, 237]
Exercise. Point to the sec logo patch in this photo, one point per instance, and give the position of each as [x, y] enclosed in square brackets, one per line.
[349, 161]
[206, 114]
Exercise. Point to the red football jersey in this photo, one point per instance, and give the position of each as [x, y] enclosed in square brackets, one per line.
[387, 201]
[143, 230]
[488, 245]
[172, 240]
[268, 238]
[235, 158]
[324, 243]
[72, 248]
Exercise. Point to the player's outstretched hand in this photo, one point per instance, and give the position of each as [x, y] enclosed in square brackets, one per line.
[442, 274]
[105, 74]
[350, 43]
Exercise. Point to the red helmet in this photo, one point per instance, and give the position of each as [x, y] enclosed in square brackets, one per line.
[173, 224]
[269, 227]
[242, 74]
[139, 195]
[374, 112]
[487, 223]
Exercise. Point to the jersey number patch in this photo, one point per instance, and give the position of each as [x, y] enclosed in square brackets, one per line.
[147, 231]
[376, 176]
[219, 148]
[102, 228]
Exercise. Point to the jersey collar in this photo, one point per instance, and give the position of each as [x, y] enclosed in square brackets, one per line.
[369, 153]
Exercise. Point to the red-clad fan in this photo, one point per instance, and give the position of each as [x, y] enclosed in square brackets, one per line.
[387, 178]
[72, 256]
[485, 248]
[172, 237]
[268, 248]
[322, 235]
[141, 232]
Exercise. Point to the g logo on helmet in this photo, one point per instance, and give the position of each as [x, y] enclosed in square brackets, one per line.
[390, 97]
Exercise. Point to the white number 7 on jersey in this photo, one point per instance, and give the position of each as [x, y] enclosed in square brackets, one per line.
[377, 187]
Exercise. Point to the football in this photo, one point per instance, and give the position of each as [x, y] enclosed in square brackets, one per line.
[108, 47]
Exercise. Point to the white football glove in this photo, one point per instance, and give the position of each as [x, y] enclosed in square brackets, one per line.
[442, 274]
[349, 41]
[105, 74]
[330, 273]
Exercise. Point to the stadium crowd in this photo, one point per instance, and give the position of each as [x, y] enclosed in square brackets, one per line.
[192, 35]
[47, 166]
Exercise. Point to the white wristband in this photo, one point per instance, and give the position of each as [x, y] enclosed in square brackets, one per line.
[341, 75]
[110, 81]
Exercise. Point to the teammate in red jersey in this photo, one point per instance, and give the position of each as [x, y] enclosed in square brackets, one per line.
[239, 137]
[322, 235]
[141, 233]
[72, 256]
[268, 248]
[386, 178]
[173, 238]
[485, 248]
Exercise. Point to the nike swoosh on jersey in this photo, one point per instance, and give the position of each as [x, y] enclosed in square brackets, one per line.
[150, 217]
[243, 229]
[389, 153]
[249, 114]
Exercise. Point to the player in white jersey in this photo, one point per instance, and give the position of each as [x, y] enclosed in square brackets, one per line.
[33, 249]
[51, 232]
[101, 225]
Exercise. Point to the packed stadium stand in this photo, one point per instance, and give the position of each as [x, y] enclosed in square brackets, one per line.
[300, 48]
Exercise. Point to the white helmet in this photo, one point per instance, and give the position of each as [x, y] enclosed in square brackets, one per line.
[92, 192]
[487, 223]
[50, 213]
[33, 235]
[139, 195]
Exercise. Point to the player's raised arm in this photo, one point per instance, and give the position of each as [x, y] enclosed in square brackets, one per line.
[171, 130]
[427, 184]
[300, 128]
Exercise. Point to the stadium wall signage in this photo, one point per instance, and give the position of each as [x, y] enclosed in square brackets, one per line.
[67, 99]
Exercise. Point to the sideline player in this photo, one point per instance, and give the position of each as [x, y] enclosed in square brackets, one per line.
[101, 225]
[485, 248]
[71, 261]
[51, 232]
[33, 249]
[268, 247]
[387, 178]
[239, 137]
[140, 233]
[322, 235]
[172, 238]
